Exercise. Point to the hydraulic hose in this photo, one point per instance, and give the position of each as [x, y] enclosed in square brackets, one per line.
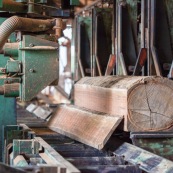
[22, 24]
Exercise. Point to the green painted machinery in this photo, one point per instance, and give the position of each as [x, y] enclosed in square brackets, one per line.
[29, 30]
[34, 66]
[26, 67]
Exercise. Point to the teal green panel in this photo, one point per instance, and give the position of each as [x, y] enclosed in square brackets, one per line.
[3, 60]
[7, 116]
[7, 105]
[40, 66]
[74, 2]
[13, 66]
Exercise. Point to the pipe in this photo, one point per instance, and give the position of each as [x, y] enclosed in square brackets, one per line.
[92, 47]
[23, 24]
[143, 15]
[10, 90]
[120, 58]
[124, 70]
[120, 28]
[152, 42]
[79, 50]
[116, 39]
[11, 49]
[149, 71]
[96, 47]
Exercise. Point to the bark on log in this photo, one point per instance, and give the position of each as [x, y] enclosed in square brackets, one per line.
[145, 102]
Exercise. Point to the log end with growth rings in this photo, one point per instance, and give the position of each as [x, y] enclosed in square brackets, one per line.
[150, 106]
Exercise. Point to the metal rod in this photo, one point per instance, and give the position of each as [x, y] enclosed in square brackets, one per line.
[143, 23]
[119, 36]
[124, 70]
[156, 61]
[120, 57]
[47, 48]
[153, 49]
[120, 28]
[113, 35]
[113, 27]
[116, 39]
[96, 46]
[98, 66]
[148, 39]
[74, 62]
[79, 51]
[152, 20]
[92, 44]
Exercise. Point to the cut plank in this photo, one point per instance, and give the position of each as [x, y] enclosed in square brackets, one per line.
[91, 128]
[145, 102]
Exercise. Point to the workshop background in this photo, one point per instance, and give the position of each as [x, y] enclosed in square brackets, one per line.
[86, 86]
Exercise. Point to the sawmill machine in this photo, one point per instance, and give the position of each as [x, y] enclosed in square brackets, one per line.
[29, 35]
[109, 38]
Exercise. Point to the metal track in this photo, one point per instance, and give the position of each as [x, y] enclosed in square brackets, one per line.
[85, 158]
[117, 156]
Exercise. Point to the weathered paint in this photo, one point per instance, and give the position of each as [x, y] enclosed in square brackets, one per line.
[147, 161]
[8, 105]
[159, 143]
[40, 66]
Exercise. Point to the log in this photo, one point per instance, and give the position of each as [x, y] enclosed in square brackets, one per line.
[145, 102]
[89, 127]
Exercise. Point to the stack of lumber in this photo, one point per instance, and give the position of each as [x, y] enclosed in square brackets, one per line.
[144, 104]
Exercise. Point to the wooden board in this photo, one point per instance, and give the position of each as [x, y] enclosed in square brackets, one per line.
[91, 128]
[145, 102]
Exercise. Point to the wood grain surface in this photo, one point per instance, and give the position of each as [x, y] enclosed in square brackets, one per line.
[145, 102]
[89, 127]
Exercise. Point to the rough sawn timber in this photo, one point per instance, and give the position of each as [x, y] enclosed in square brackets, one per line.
[89, 127]
[145, 102]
